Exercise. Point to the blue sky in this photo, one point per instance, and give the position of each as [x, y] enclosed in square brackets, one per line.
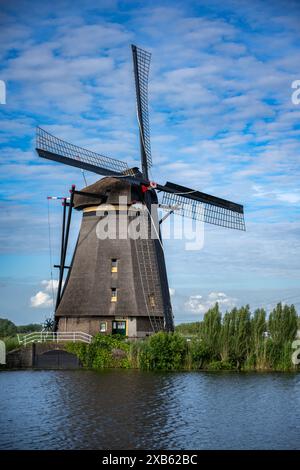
[221, 117]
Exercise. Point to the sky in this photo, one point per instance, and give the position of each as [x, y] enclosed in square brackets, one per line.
[222, 121]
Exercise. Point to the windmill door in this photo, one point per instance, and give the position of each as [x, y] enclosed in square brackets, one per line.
[119, 327]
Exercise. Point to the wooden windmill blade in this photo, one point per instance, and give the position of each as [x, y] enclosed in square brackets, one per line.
[141, 66]
[201, 206]
[58, 150]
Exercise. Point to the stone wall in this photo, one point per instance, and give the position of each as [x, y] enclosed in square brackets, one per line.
[26, 357]
[21, 358]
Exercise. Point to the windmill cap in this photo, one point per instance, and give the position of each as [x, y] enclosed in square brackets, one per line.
[109, 190]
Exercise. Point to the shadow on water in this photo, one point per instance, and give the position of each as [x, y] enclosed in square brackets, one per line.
[117, 409]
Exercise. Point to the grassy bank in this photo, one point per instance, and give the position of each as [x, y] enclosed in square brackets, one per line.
[238, 341]
[9, 332]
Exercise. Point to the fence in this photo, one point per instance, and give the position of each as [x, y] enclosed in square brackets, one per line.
[63, 336]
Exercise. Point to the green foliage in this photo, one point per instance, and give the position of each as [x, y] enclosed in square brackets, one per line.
[220, 365]
[189, 329]
[11, 342]
[162, 351]
[257, 357]
[31, 327]
[9, 332]
[283, 323]
[235, 336]
[211, 331]
[238, 341]
[7, 328]
[243, 341]
[199, 354]
[104, 352]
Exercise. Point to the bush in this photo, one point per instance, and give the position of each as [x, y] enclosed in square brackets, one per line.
[102, 353]
[220, 365]
[163, 351]
[199, 353]
[11, 343]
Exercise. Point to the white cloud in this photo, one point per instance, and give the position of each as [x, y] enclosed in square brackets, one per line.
[44, 298]
[199, 305]
[289, 197]
[41, 300]
[50, 285]
[292, 198]
[172, 291]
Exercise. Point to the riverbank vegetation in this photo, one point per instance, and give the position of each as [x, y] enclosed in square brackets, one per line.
[237, 341]
[9, 332]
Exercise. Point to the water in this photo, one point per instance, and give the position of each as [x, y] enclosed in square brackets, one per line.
[132, 410]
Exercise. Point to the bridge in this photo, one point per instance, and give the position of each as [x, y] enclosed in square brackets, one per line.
[46, 350]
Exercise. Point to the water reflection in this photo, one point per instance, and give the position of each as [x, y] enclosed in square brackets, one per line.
[131, 409]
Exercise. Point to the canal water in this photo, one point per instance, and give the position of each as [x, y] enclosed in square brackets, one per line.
[137, 410]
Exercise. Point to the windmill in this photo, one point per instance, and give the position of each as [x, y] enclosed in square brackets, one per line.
[120, 285]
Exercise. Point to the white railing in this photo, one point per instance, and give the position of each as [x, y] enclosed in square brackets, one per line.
[43, 336]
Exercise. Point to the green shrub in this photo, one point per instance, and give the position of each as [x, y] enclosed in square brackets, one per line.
[220, 365]
[7, 328]
[102, 353]
[11, 343]
[163, 351]
[199, 353]
[236, 341]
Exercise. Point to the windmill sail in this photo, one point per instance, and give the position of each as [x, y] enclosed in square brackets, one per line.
[52, 148]
[141, 65]
[201, 206]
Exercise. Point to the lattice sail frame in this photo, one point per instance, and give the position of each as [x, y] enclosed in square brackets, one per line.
[203, 211]
[48, 144]
[143, 67]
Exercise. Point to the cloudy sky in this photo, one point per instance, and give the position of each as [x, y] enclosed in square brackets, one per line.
[222, 121]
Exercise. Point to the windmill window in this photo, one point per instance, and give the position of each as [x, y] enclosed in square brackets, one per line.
[114, 265]
[113, 294]
[152, 300]
[103, 327]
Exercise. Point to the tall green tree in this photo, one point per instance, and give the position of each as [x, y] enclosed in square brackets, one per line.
[283, 323]
[211, 331]
[258, 339]
[235, 336]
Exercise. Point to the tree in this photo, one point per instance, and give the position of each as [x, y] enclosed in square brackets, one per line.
[283, 323]
[235, 335]
[211, 331]
[29, 328]
[258, 340]
[7, 328]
